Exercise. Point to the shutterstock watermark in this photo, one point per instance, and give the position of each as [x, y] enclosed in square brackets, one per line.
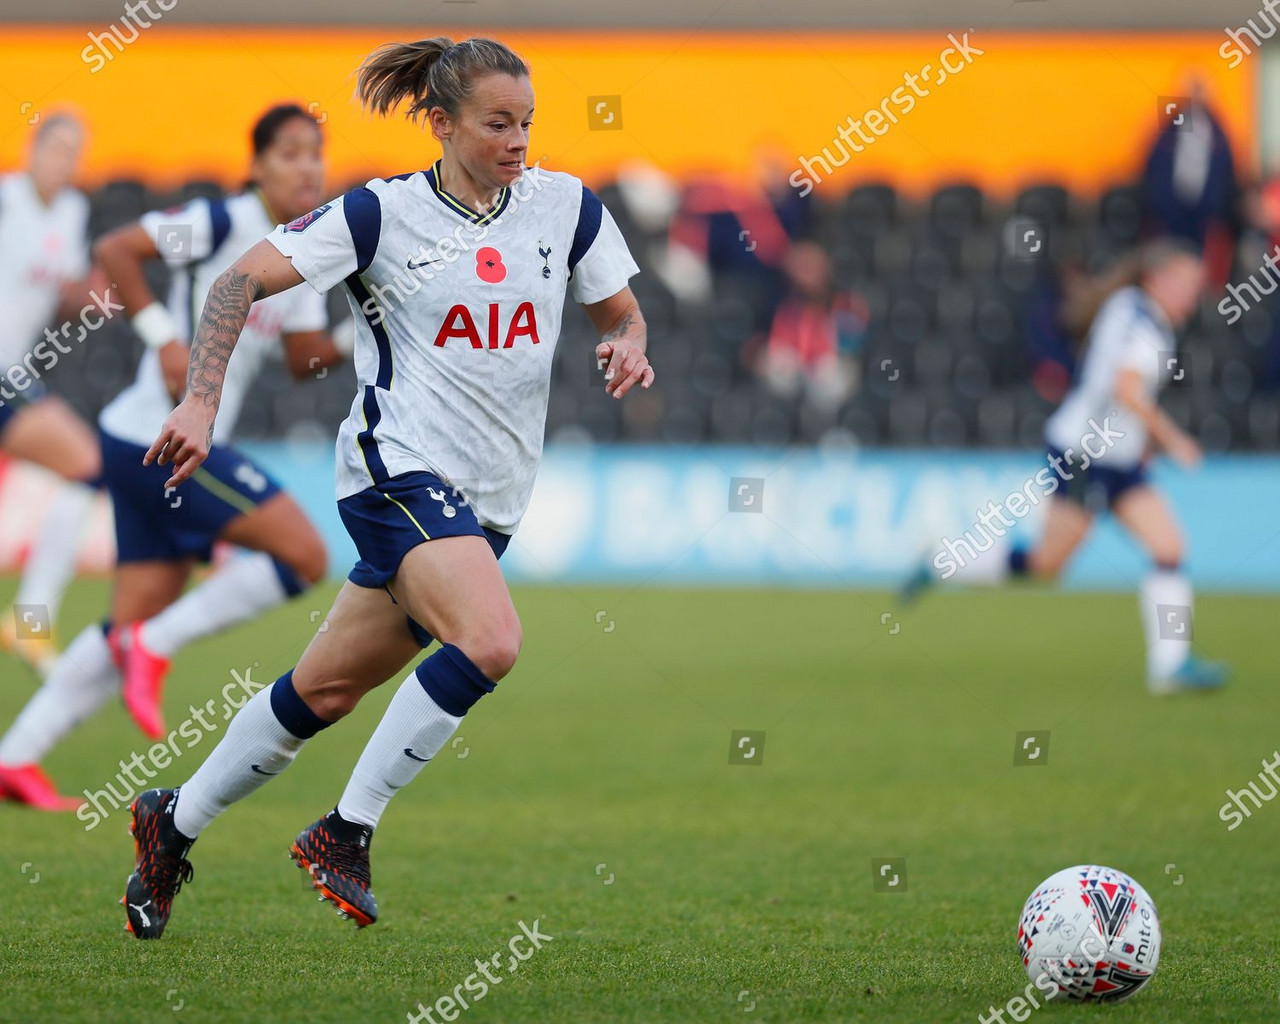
[954, 555]
[1050, 981]
[487, 975]
[97, 54]
[21, 374]
[1235, 806]
[1234, 304]
[1237, 47]
[879, 119]
[162, 754]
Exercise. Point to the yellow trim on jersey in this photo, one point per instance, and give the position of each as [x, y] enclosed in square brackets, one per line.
[499, 204]
[217, 488]
[408, 513]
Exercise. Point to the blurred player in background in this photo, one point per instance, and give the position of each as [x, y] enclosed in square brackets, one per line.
[163, 532]
[44, 267]
[1129, 355]
[437, 460]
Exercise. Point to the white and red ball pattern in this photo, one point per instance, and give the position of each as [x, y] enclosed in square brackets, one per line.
[1091, 930]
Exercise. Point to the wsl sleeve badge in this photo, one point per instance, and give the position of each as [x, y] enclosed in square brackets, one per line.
[307, 219]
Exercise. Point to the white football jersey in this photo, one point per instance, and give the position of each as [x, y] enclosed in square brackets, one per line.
[41, 248]
[198, 242]
[1130, 332]
[457, 315]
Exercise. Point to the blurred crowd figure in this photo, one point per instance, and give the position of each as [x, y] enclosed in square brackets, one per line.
[1189, 184]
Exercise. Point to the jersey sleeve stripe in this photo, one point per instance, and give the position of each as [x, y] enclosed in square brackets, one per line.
[377, 324]
[368, 444]
[364, 219]
[589, 216]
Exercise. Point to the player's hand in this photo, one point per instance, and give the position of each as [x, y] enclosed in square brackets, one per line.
[1185, 451]
[184, 440]
[173, 365]
[624, 365]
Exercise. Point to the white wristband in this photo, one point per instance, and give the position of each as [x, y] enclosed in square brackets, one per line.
[155, 326]
[344, 337]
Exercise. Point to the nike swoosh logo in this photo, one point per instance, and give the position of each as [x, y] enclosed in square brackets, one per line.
[258, 769]
[418, 266]
[409, 752]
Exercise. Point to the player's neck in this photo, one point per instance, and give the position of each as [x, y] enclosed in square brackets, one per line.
[459, 184]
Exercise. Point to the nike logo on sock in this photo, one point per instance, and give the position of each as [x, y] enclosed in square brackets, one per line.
[258, 768]
[409, 752]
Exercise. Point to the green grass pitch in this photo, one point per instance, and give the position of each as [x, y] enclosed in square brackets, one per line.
[594, 793]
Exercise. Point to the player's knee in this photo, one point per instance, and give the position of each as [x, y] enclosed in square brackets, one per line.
[494, 650]
[331, 699]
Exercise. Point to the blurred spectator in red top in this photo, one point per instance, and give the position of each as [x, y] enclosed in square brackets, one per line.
[816, 335]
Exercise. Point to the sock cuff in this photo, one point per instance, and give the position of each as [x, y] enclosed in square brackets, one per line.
[292, 711]
[293, 583]
[453, 681]
[1167, 567]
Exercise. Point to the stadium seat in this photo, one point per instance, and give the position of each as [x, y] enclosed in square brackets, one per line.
[956, 211]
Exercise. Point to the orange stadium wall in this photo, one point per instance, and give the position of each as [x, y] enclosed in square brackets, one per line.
[176, 102]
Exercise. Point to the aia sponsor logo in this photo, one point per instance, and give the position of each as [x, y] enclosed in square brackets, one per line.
[459, 323]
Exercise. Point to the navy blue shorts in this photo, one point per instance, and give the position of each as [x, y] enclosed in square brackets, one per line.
[9, 407]
[388, 520]
[154, 523]
[1098, 487]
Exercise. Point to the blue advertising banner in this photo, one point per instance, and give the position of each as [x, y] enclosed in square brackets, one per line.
[840, 518]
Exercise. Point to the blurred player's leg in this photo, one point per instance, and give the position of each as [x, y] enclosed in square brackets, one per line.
[289, 557]
[82, 679]
[1065, 527]
[1165, 597]
[51, 435]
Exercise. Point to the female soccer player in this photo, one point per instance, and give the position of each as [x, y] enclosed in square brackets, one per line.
[162, 531]
[44, 264]
[457, 275]
[1100, 440]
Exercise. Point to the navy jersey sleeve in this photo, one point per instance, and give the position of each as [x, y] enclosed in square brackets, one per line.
[333, 242]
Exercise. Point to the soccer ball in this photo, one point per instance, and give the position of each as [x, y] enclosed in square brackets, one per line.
[1089, 934]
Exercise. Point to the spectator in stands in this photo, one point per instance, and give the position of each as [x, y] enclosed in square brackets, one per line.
[1189, 187]
[816, 334]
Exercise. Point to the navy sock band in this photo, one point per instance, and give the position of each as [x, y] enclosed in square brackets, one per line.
[1018, 561]
[452, 680]
[293, 583]
[1168, 567]
[292, 711]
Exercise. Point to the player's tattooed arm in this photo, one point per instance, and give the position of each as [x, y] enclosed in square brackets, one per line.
[260, 272]
[225, 311]
[623, 341]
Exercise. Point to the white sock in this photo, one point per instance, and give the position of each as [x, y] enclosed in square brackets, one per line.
[241, 590]
[52, 562]
[412, 722]
[83, 678]
[1165, 601]
[255, 748]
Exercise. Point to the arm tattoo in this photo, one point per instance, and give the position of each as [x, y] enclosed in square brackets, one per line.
[620, 328]
[225, 312]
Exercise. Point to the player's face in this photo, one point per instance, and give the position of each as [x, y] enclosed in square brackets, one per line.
[490, 136]
[1177, 286]
[290, 171]
[55, 158]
